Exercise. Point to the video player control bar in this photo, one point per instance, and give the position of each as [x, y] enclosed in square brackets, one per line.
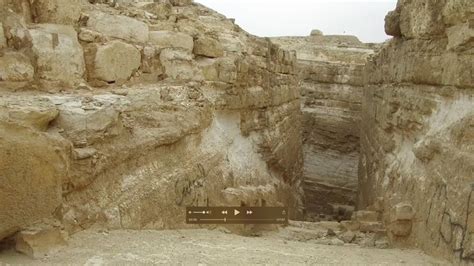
[237, 215]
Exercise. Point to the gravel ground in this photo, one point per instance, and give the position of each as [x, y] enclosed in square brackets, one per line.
[210, 247]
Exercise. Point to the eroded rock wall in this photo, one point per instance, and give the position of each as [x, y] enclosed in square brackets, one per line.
[125, 113]
[417, 138]
[331, 81]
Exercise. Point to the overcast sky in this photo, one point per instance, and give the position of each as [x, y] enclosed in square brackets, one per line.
[363, 18]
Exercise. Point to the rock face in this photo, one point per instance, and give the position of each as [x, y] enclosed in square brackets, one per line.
[331, 83]
[417, 144]
[171, 126]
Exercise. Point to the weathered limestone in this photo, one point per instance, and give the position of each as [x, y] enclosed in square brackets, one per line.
[39, 240]
[15, 66]
[208, 47]
[59, 56]
[417, 120]
[32, 166]
[3, 40]
[14, 26]
[168, 39]
[331, 75]
[120, 27]
[181, 2]
[116, 61]
[57, 11]
[152, 126]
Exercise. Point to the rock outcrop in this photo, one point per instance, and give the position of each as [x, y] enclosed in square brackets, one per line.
[417, 138]
[331, 82]
[122, 114]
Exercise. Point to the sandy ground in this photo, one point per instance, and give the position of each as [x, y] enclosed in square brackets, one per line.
[206, 247]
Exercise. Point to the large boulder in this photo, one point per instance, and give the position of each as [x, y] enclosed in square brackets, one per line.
[59, 55]
[32, 167]
[116, 61]
[208, 47]
[169, 39]
[39, 240]
[15, 66]
[57, 11]
[120, 27]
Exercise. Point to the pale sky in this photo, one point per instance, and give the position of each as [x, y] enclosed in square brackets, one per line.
[363, 18]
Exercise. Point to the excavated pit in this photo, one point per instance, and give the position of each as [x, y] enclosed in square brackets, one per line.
[116, 115]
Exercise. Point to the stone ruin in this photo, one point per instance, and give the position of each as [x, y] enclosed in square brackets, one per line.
[121, 113]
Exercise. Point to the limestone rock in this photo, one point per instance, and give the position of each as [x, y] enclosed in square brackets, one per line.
[365, 216]
[37, 114]
[402, 211]
[419, 101]
[178, 65]
[3, 40]
[85, 126]
[161, 10]
[461, 36]
[208, 47]
[59, 55]
[331, 71]
[350, 225]
[401, 228]
[15, 30]
[120, 27]
[420, 19]
[116, 61]
[392, 24]
[347, 236]
[169, 39]
[83, 153]
[87, 35]
[57, 11]
[15, 66]
[371, 227]
[181, 2]
[31, 166]
[38, 242]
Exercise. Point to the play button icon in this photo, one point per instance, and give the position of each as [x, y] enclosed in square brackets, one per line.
[236, 212]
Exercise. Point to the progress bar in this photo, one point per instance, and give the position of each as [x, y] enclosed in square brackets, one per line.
[237, 215]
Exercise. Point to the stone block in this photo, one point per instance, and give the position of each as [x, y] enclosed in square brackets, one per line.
[392, 24]
[57, 11]
[402, 212]
[461, 36]
[15, 66]
[178, 65]
[36, 114]
[170, 39]
[401, 228]
[371, 227]
[15, 30]
[208, 47]
[347, 236]
[351, 225]
[365, 216]
[32, 170]
[116, 61]
[38, 242]
[120, 27]
[59, 55]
